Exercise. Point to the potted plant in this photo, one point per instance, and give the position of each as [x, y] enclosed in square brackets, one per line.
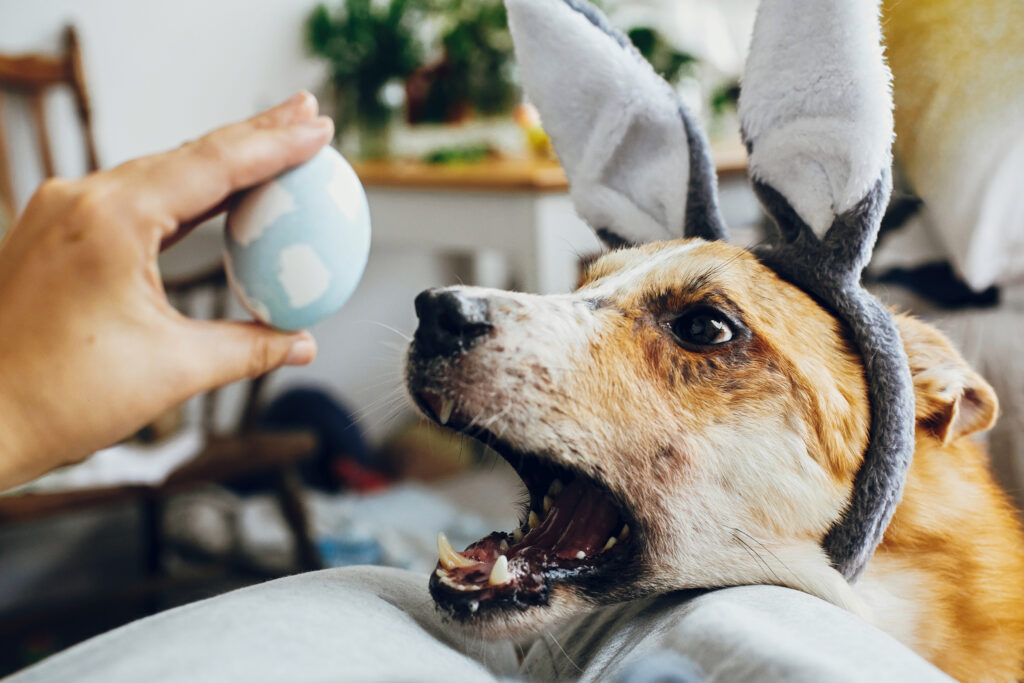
[474, 71]
[368, 44]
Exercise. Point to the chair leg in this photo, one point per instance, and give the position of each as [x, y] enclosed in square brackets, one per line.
[151, 527]
[289, 497]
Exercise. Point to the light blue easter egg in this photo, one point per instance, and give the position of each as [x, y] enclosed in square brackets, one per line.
[296, 246]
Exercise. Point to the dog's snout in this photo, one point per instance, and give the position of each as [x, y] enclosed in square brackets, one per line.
[449, 321]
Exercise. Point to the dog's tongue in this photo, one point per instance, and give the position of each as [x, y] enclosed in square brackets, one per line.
[578, 524]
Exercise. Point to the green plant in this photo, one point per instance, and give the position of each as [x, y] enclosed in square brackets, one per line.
[474, 72]
[666, 60]
[479, 49]
[725, 97]
[367, 44]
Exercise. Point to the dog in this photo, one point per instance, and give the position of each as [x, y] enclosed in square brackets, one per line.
[688, 419]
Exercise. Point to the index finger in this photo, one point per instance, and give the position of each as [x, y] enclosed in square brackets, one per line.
[189, 181]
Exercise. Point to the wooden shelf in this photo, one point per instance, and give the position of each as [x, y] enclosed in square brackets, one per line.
[503, 175]
[498, 175]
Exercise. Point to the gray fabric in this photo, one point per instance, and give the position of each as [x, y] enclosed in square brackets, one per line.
[829, 269]
[376, 624]
[703, 217]
[356, 624]
[663, 666]
[747, 633]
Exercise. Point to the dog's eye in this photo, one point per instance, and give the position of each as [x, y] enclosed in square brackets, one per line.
[703, 327]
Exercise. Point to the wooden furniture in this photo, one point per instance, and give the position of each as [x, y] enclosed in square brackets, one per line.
[512, 217]
[508, 175]
[245, 450]
[32, 77]
[242, 452]
[239, 454]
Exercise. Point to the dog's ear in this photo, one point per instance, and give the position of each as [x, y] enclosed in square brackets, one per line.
[638, 165]
[816, 115]
[952, 400]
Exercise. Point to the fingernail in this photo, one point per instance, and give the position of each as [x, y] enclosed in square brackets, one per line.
[298, 97]
[302, 352]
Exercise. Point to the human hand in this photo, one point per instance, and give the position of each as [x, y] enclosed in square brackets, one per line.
[90, 348]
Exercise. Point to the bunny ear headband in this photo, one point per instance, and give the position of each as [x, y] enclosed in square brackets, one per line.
[816, 114]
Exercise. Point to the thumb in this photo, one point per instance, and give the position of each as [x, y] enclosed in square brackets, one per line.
[226, 352]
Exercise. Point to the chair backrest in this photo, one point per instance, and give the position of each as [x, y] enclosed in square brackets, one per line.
[31, 77]
[186, 294]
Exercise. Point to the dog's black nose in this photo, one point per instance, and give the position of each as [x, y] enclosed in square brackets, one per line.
[449, 322]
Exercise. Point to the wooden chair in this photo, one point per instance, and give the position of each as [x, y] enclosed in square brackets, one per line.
[32, 77]
[242, 452]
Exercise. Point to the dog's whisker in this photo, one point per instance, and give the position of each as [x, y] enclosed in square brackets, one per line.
[764, 547]
[389, 328]
[566, 654]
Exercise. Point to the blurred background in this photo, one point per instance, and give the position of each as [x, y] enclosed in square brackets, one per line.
[328, 465]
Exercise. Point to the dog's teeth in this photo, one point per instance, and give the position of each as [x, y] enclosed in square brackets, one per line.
[449, 558]
[503, 546]
[624, 533]
[555, 488]
[448, 581]
[474, 605]
[499, 573]
[609, 543]
[547, 504]
[517, 535]
[446, 411]
[533, 520]
[580, 555]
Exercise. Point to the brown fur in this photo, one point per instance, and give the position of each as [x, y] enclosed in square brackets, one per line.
[736, 460]
[954, 526]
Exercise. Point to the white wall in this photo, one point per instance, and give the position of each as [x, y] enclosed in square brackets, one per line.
[163, 72]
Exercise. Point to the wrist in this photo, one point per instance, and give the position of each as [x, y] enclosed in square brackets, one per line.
[18, 464]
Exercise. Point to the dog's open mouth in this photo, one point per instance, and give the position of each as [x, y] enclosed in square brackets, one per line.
[573, 531]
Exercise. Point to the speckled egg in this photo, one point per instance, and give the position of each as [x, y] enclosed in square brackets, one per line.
[296, 246]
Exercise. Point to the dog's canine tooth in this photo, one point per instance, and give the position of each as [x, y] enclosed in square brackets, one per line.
[533, 520]
[499, 572]
[624, 533]
[449, 558]
[517, 535]
[547, 504]
[555, 488]
[580, 554]
[446, 410]
[503, 546]
[609, 543]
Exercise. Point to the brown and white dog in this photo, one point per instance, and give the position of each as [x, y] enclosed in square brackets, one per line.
[688, 419]
[693, 417]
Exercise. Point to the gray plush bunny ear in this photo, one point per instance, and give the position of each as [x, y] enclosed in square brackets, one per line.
[816, 112]
[638, 165]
